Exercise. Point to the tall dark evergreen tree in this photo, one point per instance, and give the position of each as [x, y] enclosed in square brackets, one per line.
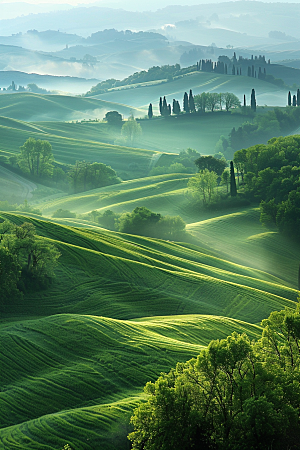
[169, 110]
[253, 100]
[160, 105]
[191, 102]
[225, 69]
[233, 70]
[245, 100]
[150, 111]
[298, 97]
[186, 103]
[294, 100]
[164, 111]
[289, 99]
[233, 190]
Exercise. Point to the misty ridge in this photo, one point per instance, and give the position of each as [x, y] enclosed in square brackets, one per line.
[149, 225]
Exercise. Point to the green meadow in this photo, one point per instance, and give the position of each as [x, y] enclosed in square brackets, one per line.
[123, 308]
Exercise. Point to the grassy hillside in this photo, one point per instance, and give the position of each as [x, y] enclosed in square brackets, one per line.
[71, 146]
[162, 193]
[140, 97]
[121, 309]
[95, 367]
[37, 107]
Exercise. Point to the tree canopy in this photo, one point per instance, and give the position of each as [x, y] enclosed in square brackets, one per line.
[236, 395]
[36, 158]
[85, 176]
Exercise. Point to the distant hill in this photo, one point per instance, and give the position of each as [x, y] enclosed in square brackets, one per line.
[49, 82]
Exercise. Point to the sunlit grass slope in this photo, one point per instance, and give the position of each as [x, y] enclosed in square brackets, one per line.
[140, 97]
[125, 277]
[77, 378]
[67, 149]
[163, 193]
[240, 237]
[36, 107]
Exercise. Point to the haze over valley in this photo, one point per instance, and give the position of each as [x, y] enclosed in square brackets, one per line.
[149, 225]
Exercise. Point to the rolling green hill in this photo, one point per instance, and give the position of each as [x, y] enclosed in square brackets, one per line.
[140, 97]
[37, 107]
[69, 146]
[121, 309]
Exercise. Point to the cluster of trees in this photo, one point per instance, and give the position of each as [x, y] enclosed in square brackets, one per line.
[184, 162]
[296, 99]
[212, 101]
[147, 223]
[36, 159]
[141, 221]
[237, 394]
[270, 174]
[277, 122]
[26, 260]
[167, 72]
[200, 102]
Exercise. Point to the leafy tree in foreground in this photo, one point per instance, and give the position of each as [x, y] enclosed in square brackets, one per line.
[36, 158]
[236, 395]
[85, 176]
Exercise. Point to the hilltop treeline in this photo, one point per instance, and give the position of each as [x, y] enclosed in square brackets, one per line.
[236, 394]
[166, 72]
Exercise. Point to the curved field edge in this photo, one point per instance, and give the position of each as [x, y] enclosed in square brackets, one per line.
[71, 378]
[125, 277]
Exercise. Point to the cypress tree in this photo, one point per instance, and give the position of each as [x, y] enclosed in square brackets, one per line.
[245, 100]
[298, 97]
[169, 110]
[225, 69]
[294, 100]
[233, 70]
[289, 98]
[150, 111]
[233, 190]
[186, 103]
[160, 106]
[191, 102]
[253, 100]
[164, 107]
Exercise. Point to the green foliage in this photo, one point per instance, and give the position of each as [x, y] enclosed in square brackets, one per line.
[214, 100]
[145, 222]
[23, 255]
[211, 163]
[237, 394]
[113, 118]
[203, 185]
[85, 176]
[36, 158]
[131, 131]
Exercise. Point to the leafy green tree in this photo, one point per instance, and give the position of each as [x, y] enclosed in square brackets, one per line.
[203, 185]
[201, 101]
[85, 176]
[236, 394]
[131, 130]
[113, 118]
[36, 158]
[231, 101]
[211, 163]
[212, 100]
[226, 178]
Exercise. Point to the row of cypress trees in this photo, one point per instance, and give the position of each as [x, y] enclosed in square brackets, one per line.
[296, 99]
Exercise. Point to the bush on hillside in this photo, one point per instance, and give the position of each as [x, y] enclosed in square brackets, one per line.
[63, 213]
[147, 223]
